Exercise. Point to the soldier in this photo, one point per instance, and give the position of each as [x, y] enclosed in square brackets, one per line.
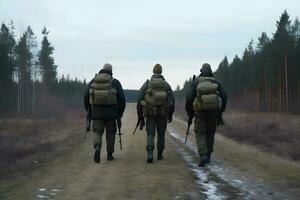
[106, 100]
[206, 101]
[155, 102]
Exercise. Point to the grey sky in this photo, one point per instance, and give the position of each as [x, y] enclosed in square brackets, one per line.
[133, 35]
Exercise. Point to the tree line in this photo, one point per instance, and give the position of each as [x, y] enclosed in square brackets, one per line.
[266, 77]
[29, 81]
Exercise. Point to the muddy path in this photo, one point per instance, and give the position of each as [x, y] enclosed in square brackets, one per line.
[74, 175]
[218, 180]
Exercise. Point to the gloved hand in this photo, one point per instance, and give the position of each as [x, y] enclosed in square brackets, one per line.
[140, 112]
[140, 116]
[170, 118]
[220, 122]
[142, 124]
[191, 114]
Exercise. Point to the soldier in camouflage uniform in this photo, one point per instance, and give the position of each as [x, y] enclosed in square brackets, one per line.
[206, 101]
[156, 102]
[105, 96]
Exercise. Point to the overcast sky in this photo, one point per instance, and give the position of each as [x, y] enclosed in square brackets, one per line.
[133, 35]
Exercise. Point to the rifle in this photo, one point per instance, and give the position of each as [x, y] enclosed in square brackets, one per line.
[140, 123]
[188, 129]
[119, 122]
[88, 121]
[190, 121]
[137, 125]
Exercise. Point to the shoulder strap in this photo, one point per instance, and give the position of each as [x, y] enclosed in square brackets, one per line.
[201, 78]
[110, 82]
[147, 84]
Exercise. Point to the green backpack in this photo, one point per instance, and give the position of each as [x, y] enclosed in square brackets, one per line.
[156, 101]
[208, 98]
[101, 91]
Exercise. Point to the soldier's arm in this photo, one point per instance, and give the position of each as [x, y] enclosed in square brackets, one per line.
[140, 97]
[142, 92]
[223, 96]
[190, 96]
[120, 97]
[86, 97]
[172, 100]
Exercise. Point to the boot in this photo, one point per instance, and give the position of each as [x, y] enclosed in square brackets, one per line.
[203, 160]
[159, 156]
[110, 157]
[208, 157]
[150, 157]
[97, 154]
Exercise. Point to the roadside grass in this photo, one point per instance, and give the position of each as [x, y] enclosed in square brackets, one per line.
[25, 143]
[275, 133]
[271, 132]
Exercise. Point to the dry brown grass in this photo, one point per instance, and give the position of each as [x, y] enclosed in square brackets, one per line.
[272, 132]
[275, 133]
[28, 142]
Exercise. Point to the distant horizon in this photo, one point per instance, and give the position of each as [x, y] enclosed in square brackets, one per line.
[128, 35]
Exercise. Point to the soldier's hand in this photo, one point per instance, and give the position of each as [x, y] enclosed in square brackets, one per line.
[170, 118]
[221, 122]
[142, 124]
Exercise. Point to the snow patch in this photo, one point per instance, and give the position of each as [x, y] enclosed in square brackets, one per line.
[209, 187]
[41, 196]
[55, 190]
[249, 189]
[44, 193]
[238, 181]
[181, 139]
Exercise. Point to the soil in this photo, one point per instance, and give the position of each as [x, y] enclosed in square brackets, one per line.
[236, 172]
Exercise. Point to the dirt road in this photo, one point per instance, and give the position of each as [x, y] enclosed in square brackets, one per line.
[75, 175]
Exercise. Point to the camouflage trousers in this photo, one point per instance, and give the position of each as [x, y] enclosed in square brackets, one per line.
[153, 124]
[99, 126]
[205, 129]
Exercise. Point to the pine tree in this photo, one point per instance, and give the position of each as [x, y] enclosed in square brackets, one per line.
[222, 72]
[266, 78]
[282, 46]
[24, 57]
[263, 61]
[32, 43]
[7, 63]
[296, 30]
[46, 62]
[263, 42]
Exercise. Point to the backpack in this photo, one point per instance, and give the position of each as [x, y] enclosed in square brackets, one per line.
[208, 98]
[156, 101]
[101, 91]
